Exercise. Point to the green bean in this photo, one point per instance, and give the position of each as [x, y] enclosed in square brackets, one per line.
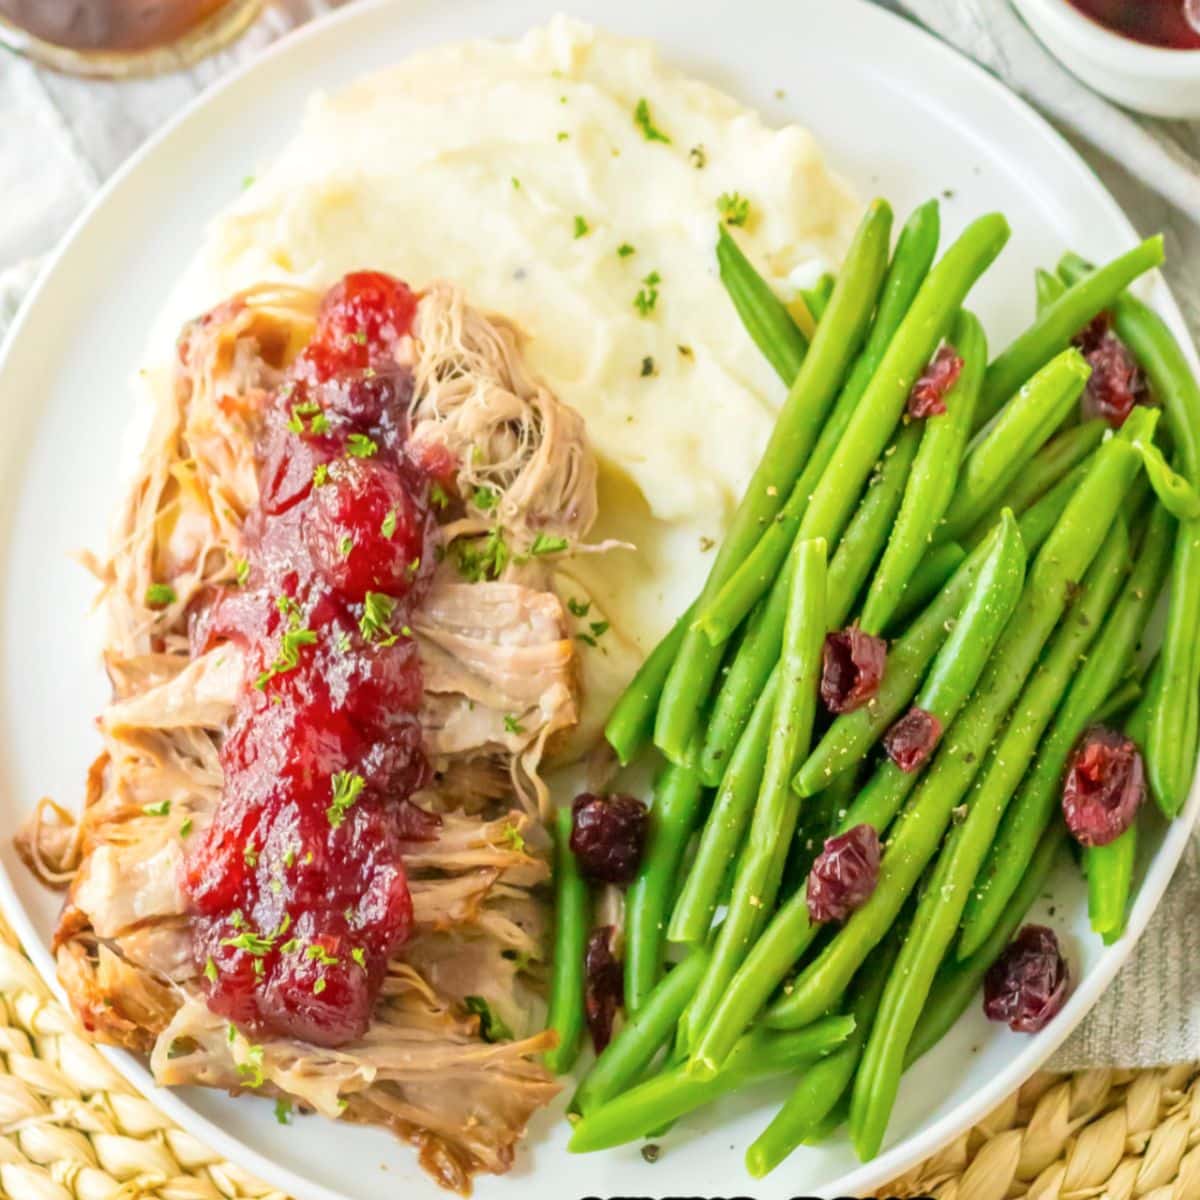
[816, 298]
[764, 316]
[572, 920]
[867, 533]
[1054, 461]
[915, 249]
[931, 481]
[796, 429]
[957, 981]
[760, 866]
[725, 826]
[818, 1089]
[955, 673]
[1063, 558]
[1174, 492]
[933, 572]
[1049, 288]
[1036, 801]
[1022, 427]
[674, 1093]
[1125, 697]
[1109, 871]
[1059, 322]
[673, 815]
[759, 650]
[985, 598]
[941, 906]
[631, 722]
[624, 1059]
[824, 506]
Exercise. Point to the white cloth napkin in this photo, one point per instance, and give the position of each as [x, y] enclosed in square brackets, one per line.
[1151, 1013]
[60, 138]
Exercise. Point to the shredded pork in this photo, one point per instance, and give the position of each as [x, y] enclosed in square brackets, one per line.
[501, 683]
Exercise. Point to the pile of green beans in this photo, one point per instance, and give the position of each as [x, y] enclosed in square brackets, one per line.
[1011, 555]
[797, 428]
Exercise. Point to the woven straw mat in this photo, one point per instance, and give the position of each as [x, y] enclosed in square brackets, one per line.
[72, 1129]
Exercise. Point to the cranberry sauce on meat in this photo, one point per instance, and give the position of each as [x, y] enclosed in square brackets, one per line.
[299, 884]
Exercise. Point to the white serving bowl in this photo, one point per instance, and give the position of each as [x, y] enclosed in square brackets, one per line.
[1160, 82]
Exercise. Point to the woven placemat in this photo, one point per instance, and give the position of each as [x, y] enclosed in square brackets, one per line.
[72, 1129]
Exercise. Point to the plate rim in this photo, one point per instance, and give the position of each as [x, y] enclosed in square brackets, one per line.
[928, 1139]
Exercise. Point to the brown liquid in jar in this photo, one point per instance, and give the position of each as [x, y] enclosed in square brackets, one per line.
[109, 25]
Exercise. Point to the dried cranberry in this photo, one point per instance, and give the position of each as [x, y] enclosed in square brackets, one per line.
[1104, 786]
[1116, 382]
[912, 739]
[844, 874]
[1027, 985]
[607, 836]
[928, 395]
[604, 985]
[851, 669]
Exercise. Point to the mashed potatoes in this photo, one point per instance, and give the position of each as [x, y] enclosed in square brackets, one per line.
[551, 178]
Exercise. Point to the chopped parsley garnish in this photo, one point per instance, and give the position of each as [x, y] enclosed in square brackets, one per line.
[484, 558]
[287, 657]
[512, 725]
[321, 955]
[251, 1067]
[283, 1111]
[318, 422]
[250, 855]
[186, 827]
[582, 228]
[359, 955]
[485, 498]
[289, 858]
[491, 1027]
[643, 120]
[254, 944]
[319, 986]
[376, 622]
[624, 250]
[698, 157]
[516, 182]
[361, 446]
[388, 526]
[320, 474]
[241, 569]
[210, 970]
[157, 810]
[512, 838]
[648, 367]
[347, 787]
[561, 136]
[647, 296]
[345, 545]
[159, 595]
[578, 608]
[247, 180]
[598, 628]
[359, 337]
[545, 544]
[342, 642]
[438, 497]
[734, 208]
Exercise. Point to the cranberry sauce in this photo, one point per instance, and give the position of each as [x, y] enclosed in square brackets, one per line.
[1169, 24]
[299, 885]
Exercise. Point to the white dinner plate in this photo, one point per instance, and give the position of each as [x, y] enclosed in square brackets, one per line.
[897, 112]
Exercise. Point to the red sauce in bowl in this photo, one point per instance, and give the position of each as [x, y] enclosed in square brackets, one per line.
[1168, 24]
[299, 884]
